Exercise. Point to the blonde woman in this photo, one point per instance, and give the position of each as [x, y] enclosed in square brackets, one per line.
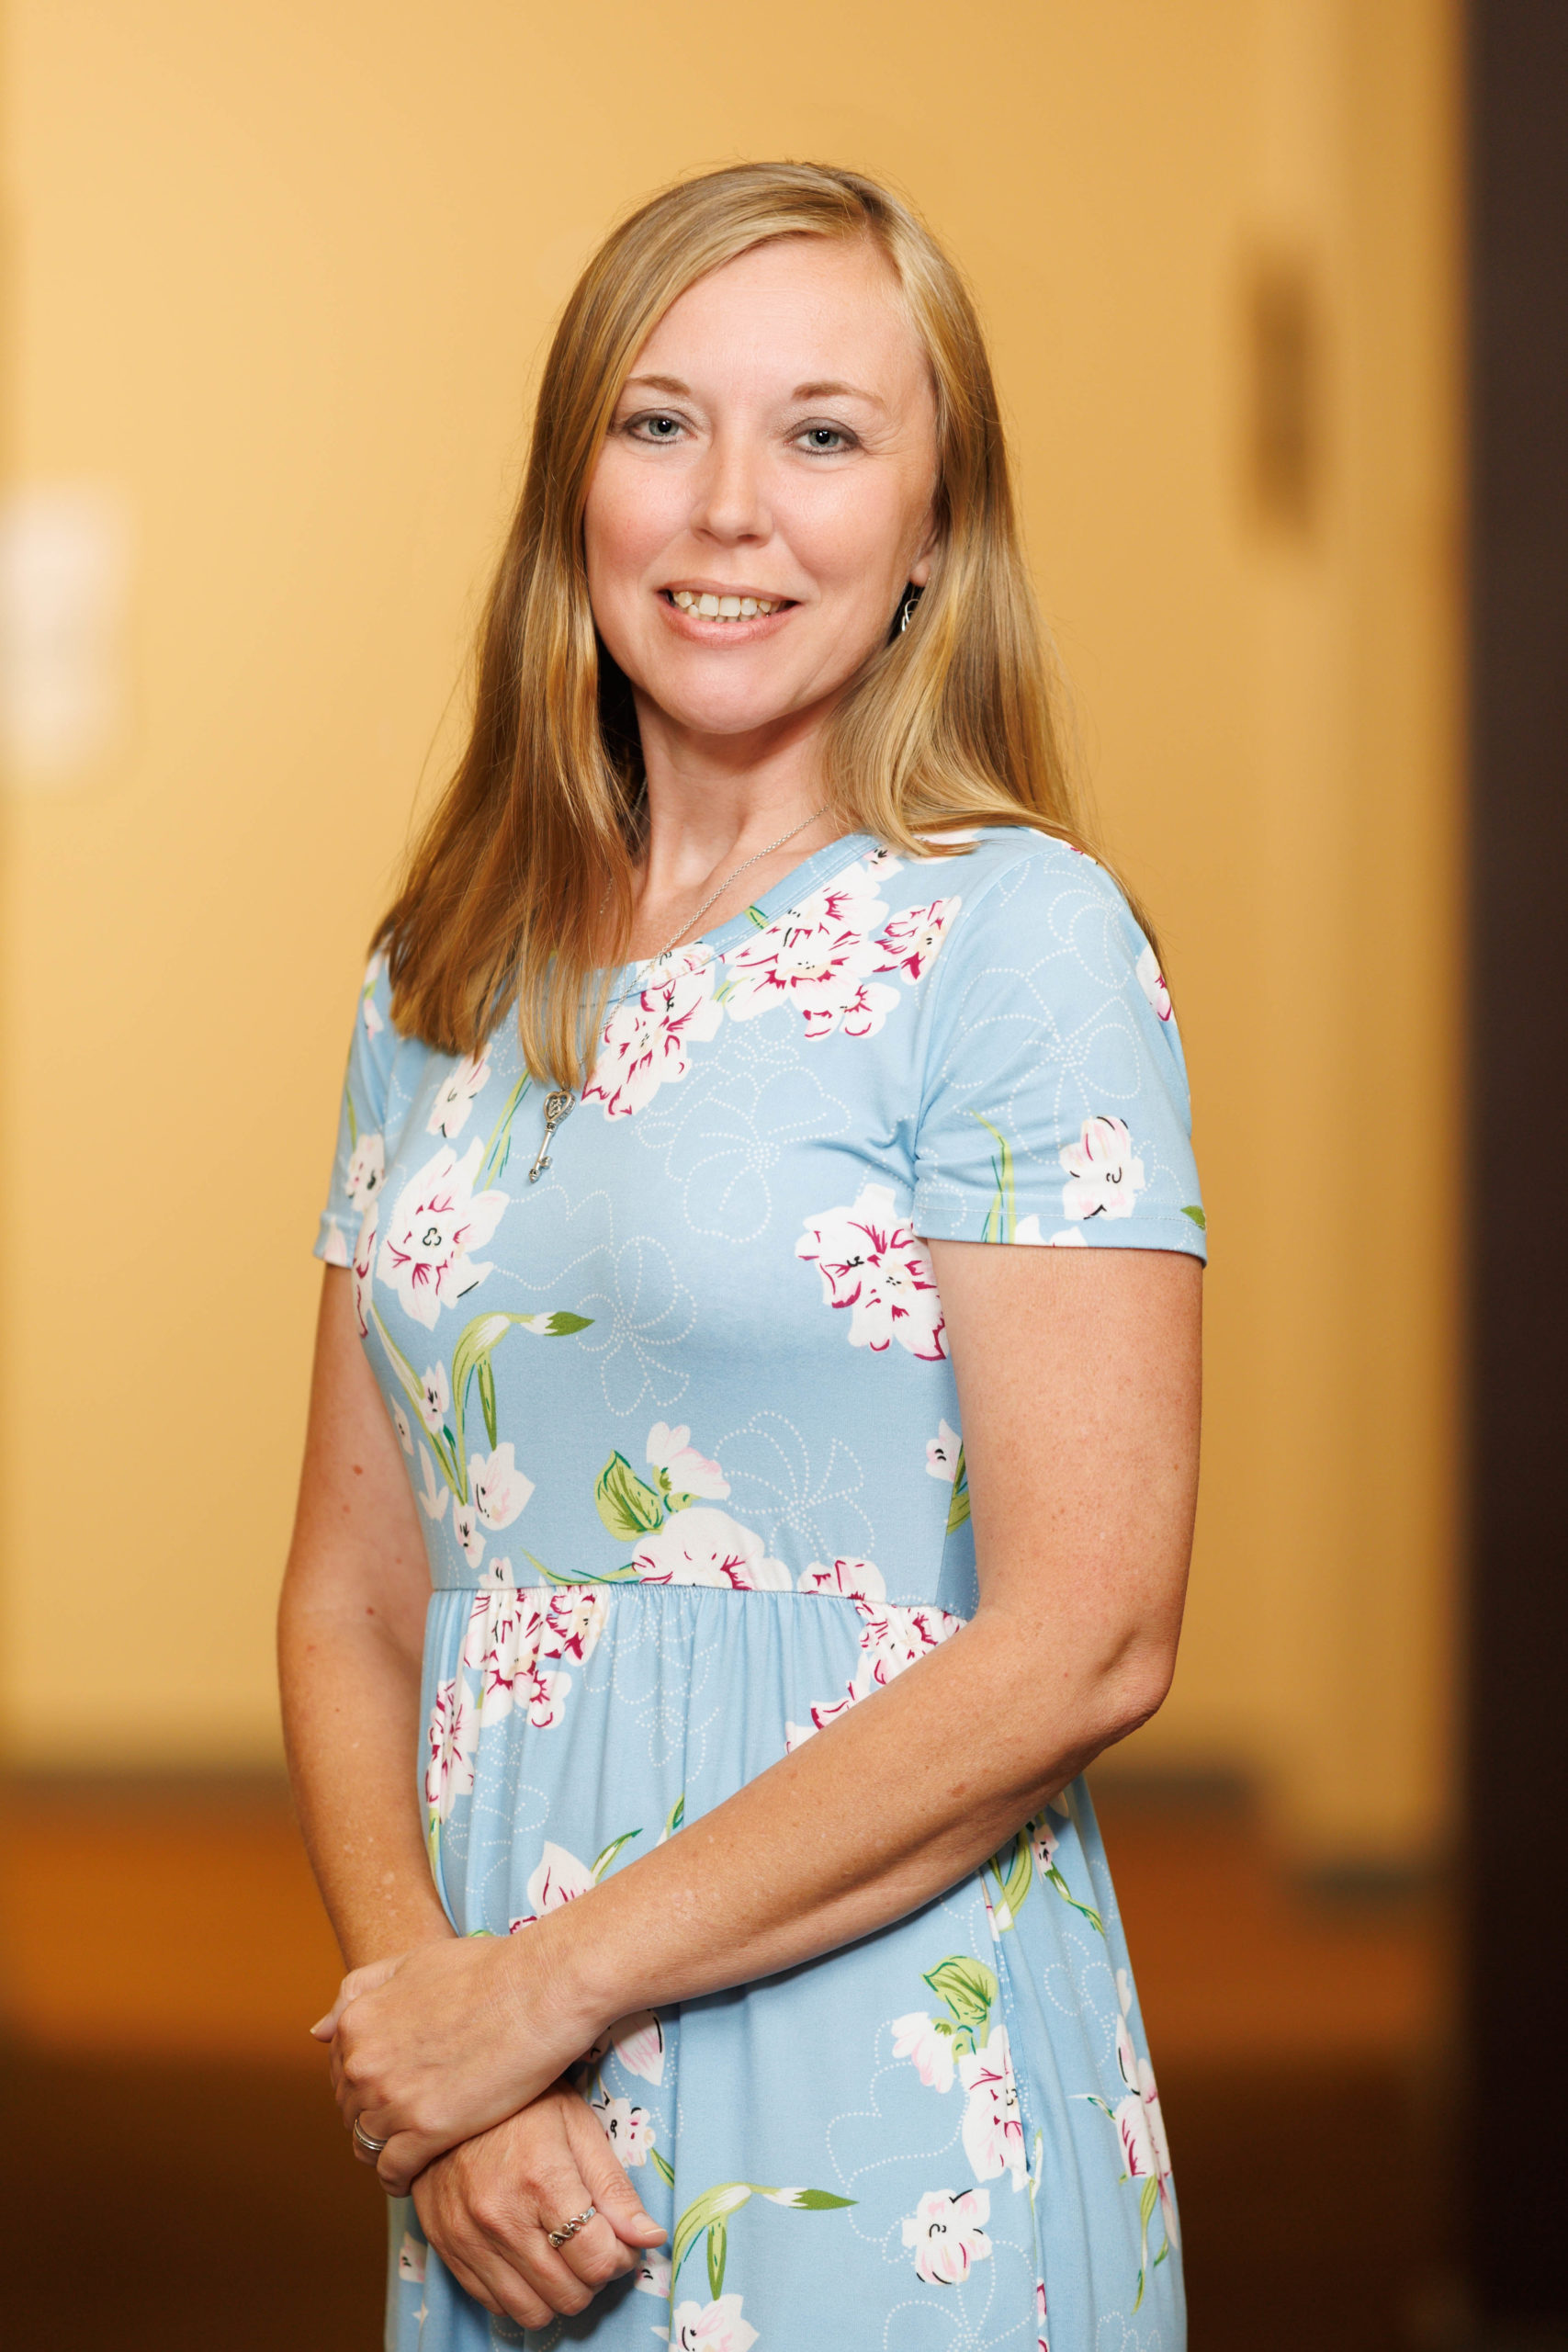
[762, 1299]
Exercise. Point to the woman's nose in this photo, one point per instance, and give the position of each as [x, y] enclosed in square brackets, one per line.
[731, 502]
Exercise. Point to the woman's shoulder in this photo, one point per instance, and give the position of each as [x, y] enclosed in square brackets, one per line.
[1014, 881]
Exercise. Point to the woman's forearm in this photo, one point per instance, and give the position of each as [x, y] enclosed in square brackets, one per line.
[895, 1802]
[351, 1726]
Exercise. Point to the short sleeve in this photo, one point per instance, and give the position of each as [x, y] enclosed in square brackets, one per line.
[1055, 1107]
[360, 1161]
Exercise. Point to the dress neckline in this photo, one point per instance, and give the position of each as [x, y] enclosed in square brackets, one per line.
[822, 866]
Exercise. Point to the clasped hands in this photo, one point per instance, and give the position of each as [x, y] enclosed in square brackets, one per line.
[452, 2055]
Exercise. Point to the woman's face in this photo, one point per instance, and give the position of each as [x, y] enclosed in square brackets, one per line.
[773, 448]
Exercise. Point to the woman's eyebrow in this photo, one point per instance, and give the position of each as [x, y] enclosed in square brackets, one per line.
[663, 384]
[836, 391]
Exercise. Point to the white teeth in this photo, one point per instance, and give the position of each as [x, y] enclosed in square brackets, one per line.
[722, 608]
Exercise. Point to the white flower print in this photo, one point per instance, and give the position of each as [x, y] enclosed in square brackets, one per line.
[710, 2327]
[1139, 2120]
[871, 1261]
[645, 1039]
[993, 2127]
[892, 1636]
[450, 1741]
[1151, 980]
[628, 2129]
[558, 1878]
[574, 1619]
[1027, 1230]
[433, 1404]
[363, 1260]
[1104, 1175]
[401, 1423]
[438, 1221]
[689, 1472]
[911, 940]
[374, 1025]
[637, 2041]
[432, 1497]
[947, 2233]
[367, 1171]
[653, 2275]
[701, 1546]
[334, 1248]
[455, 1097]
[942, 1453]
[411, 2256]
[466, 1528]
[914, 2037]
[498, 1487]
[818, 958]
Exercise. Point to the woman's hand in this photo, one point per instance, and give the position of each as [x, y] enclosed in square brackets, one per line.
[487, 2206]
[437, 2044]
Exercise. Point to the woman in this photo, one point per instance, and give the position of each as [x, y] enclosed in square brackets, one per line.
[797, 1536]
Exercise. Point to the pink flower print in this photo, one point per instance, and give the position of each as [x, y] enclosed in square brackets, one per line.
[450, 1741]
[942, 1453]
[466, 1528]
[647, 1039]
[542, 1695]
[689, 1472]
[947, 2233]
[1104, 1176]
[854, 1579]
[701, 1546]
[438, 1221]
[1151, 980]
[911, 940]
[574, 1619]
[819, 959]
[823, 1712]
[411, 2256]
[653, 2275]
[638, 2042]
[628, 2129]
[893, 1637]
[498, 1487]
[871, 1261]
[363, 1258]
[1040, 2315]
[711, 2327]
[455, 1097]
[916, 2038]
[993, 2126]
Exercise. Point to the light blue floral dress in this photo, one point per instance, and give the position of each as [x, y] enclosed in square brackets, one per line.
[668, 1370]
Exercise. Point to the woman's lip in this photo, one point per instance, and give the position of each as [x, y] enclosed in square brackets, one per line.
[723, 588]
[713, 631]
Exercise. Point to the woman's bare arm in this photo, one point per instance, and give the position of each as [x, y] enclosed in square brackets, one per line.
[1078, 1374]
[350, 1631]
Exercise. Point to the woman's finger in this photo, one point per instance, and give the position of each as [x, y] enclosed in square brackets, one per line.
[608, 2183]
[368, 1978]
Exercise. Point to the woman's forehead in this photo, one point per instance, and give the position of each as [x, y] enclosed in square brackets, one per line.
[810, 314]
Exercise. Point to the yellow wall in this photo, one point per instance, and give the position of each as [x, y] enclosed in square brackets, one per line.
[279, 272]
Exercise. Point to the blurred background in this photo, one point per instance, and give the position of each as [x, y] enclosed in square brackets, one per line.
[275, 282]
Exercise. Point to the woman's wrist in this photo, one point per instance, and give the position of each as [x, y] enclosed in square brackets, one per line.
[563, 1963]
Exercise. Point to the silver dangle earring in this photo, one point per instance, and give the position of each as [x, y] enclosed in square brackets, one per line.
[911, 598]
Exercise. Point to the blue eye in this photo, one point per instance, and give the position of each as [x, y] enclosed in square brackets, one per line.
[825, 440]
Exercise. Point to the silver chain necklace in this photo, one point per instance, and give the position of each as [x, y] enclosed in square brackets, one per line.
[714, 895]
[558, 1104]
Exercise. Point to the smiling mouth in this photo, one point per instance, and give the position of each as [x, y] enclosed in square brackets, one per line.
[707, 608]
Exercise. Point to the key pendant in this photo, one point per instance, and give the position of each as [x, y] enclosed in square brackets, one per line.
[556, 1108]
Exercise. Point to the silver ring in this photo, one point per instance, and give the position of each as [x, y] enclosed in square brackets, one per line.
[363, 2140]
[570, 2229]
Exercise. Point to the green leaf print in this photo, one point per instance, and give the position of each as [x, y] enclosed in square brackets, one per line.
[677, 1815]
[1001, 1217]
[627, 1508]
[1198, 1219]
[1015, 1874]
[353, 1116]
[712, 2210]
[718, 2245]
[662, 2167]
[1054, 1876]
[1146, 2204]
[969, 1989]
[477, 1342]
[412, 1387]
[486, 1374]
[758, 917]
[558, 1326]
[611, 1851]
[958, 1509]
[498, 1149]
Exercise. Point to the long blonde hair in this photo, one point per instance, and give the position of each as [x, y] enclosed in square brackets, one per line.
[520, 891]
